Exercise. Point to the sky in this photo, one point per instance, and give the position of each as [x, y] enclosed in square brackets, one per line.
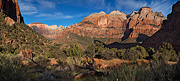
[68, 12]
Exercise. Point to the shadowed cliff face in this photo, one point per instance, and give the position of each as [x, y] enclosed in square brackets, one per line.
[118, 25]
[11, 9]
[170, 31]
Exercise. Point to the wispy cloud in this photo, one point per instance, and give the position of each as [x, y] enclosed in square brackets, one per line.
[35, 7]
[46, 4]
[99, 4]
[27, 7]
[28, 13]
[163, 6]
[54, 16]
[130, 4]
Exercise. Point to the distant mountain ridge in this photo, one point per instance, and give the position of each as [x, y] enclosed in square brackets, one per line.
[118, 25]
[50, 32]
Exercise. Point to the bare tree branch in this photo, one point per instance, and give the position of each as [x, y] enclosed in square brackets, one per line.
[36, 63]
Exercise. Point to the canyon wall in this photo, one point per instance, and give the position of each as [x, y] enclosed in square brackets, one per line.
[170, 31]
[11, 9]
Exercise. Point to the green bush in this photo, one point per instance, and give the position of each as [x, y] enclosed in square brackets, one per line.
[141, 51]
[11, 70]
[131, 55]
[108, 54]
[90, 51]
[121, 53]
[166, 52]
[73, 50]
[151, 51]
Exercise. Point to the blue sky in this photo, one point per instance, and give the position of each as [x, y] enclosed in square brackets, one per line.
[68, 12]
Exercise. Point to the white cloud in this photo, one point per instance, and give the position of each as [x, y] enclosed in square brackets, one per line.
[54, 16]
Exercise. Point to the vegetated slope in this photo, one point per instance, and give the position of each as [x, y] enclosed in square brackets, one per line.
[170, 31]
[15, 36]
[18, 37]
[83, 42]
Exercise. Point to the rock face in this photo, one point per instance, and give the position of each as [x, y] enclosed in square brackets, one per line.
[170, 31]
[144, 22]
[11, 9]
[50, 32]
[9, 21]
[118, 25]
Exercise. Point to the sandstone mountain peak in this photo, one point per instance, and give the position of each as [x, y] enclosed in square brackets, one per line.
[11, 9]
[102, 12]
[133, 14]
[145, 10]
[169, 31]
[117, 12]
[118, 25]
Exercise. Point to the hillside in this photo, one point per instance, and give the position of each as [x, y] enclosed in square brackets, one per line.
[26, 55]
[170, 31]
[19, 37]
[15, 36]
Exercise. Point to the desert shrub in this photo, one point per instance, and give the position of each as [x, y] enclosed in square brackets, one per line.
[177, 71]
[141, 51]
[46, 76]
[73, 50]
[131, 54]
[11, 70]
[162, 71]
[90, 51]
[121, 53]
[108, 54]
[99, 47]
[156, 56]
[151, 51]
[166, 52]
[154, 71]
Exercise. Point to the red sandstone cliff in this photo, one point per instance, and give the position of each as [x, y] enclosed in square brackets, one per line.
[118, 25]
[170, 31]
[11, 9]
[50, 32]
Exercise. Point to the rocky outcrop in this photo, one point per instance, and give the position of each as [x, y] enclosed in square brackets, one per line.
[118, 25]
[170, 31]
[50, 32]
[9, 21]
[144, 22]
[11, 9]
